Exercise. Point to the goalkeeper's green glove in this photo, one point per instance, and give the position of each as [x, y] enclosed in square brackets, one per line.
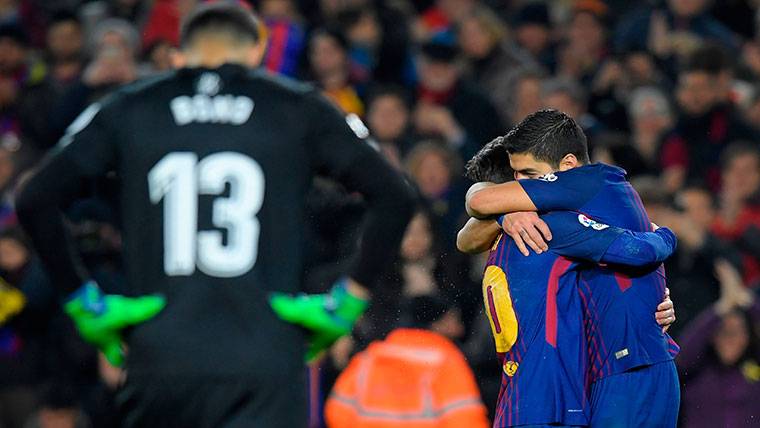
[328, 316]
[100, 318]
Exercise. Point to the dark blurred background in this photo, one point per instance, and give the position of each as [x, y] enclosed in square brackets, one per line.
[668, 90]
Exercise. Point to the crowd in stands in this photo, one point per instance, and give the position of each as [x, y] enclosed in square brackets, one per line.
[669, 90]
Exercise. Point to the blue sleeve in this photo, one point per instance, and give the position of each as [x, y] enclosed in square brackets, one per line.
[568, 190]
[575, 235]
[641, 248]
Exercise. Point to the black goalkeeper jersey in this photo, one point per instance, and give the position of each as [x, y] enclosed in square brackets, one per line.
[214, 166]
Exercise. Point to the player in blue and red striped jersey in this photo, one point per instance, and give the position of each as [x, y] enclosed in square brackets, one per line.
[535, 310]
[631, 370]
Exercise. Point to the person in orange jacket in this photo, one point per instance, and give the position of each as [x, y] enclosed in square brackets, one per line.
[415, 378]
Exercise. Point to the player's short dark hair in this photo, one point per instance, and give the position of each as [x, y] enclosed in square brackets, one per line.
[491, 163]
[549, 135]
[221, 18]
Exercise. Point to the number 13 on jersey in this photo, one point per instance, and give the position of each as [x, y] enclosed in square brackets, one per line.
[178, 179]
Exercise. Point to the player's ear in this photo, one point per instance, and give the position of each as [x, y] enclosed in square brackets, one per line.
[568, 162]
[177, 58]
[256, 54]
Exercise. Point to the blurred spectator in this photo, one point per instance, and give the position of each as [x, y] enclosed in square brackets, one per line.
[738, 219]
[585, 47]
[568, 96]
[707, 123]
[364, 35]
[16, 73]
[9, 12]
[285, 36]
[418, 261]
[434, 169]
[641, 69]
[129, 10]
[330, 67]
[59, 408]
[389, 121]
[115, 46]
[8, 171]
[157, 57]
[676, 30]
[618, 76]
[691, 279]
[495, 60]
[65, 43]
[750, 59]
[163, 21]
[449, 106]
[415, 377]
[527, 92]
[27, 303]
[720, 351]
[64, 65]
[440, 19]
[751, 109]
[533, 32]
[99, 401]
[651, 116]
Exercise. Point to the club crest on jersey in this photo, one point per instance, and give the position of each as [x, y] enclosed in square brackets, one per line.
[587, 222]
[550, 177]
[209, 84]
[510, 368]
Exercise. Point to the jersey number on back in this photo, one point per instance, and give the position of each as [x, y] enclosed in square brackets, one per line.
[178, 179]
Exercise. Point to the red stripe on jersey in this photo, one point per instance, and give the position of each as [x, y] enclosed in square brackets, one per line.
[559, 267]
[492, 309]
[623, 281]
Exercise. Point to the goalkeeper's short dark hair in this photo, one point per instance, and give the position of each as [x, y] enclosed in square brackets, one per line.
[549, 135]
[229, 19]
[490, 164]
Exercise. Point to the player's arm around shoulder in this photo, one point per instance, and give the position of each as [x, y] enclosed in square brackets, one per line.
[487, 199]
[477, 236]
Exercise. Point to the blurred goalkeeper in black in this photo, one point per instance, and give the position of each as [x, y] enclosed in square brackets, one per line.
[214, 161]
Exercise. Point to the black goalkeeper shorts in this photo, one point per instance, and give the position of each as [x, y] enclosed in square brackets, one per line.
[178, 401]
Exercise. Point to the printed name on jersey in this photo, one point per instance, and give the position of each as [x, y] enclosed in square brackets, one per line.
[202, 108]
[587, 222]
[550, 177]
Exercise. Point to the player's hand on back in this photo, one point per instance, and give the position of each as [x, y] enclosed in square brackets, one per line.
[666, 312]
[100, 318]
[528, 231]
[328, 316]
